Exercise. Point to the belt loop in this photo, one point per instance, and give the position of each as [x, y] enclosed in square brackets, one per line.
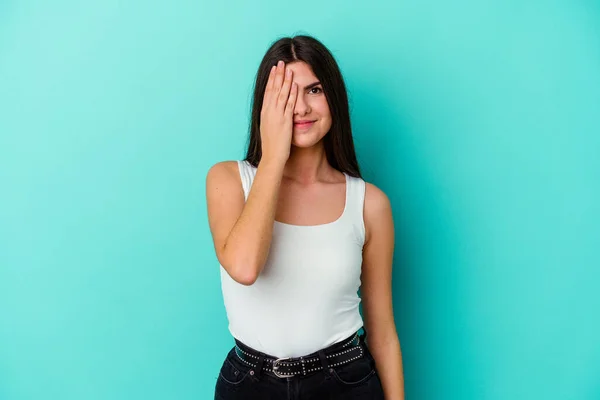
[303, 366]
[323, 359]
[259, 365]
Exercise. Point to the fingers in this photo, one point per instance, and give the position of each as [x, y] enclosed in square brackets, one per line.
[269, 87]
[291, 102]
[278, 80]
[284, 94]
[277, 90]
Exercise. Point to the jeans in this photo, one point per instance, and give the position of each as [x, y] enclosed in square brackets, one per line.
[356, 380]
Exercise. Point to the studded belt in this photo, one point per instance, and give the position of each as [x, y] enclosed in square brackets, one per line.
[335, 355]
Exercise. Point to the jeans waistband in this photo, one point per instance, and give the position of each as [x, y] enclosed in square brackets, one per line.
[353, 340]
[338, 353]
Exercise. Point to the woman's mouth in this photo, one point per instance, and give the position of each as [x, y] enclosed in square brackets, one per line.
[303, 125]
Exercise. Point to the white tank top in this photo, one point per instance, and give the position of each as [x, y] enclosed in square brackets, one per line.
[305, 298]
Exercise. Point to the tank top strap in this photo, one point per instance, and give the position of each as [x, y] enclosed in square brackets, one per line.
[354, 208]
[247, 174]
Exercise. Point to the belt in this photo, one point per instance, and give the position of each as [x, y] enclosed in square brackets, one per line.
[337, 354]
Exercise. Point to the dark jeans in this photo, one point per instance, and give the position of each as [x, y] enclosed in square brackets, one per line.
[357, 380]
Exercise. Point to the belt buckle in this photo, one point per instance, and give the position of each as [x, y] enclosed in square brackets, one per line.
[275, 367]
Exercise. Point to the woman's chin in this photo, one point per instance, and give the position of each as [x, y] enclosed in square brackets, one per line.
[304, 141]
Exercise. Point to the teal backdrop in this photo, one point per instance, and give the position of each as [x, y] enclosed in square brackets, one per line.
[480, 120]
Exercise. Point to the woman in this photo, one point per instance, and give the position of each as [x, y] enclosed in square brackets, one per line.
[297, 233]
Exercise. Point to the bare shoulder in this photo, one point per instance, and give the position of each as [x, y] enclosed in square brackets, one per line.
[377, 210]
[223, 180]
[223, 169]
[375, 197]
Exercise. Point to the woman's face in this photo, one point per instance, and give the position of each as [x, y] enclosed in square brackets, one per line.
[311, 105]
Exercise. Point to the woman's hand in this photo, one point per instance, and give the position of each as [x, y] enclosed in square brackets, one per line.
[277, 114]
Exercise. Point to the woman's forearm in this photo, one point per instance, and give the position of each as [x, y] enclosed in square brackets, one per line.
[388, 360]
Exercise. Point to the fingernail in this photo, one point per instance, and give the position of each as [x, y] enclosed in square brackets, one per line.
[280, 63]
[288, 72]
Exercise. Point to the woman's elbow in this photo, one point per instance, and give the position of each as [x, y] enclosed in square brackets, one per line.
[245, 274]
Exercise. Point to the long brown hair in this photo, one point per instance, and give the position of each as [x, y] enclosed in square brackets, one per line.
[338, 142]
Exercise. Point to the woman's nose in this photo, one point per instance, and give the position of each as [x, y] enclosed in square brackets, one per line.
[301, 105]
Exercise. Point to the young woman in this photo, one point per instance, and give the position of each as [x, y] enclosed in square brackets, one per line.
[298, 232]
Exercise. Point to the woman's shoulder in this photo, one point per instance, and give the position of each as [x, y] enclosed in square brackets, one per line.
[374, 194]
[377, 209]
[221, 171]
[376, 201]
[227, 166]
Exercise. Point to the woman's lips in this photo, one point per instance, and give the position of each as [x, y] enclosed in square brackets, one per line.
[303, 125]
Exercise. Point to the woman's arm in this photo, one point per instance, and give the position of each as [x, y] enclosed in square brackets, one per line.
[242, 232]
[376, 292]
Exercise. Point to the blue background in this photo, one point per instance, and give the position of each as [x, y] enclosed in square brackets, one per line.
[479, 119]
